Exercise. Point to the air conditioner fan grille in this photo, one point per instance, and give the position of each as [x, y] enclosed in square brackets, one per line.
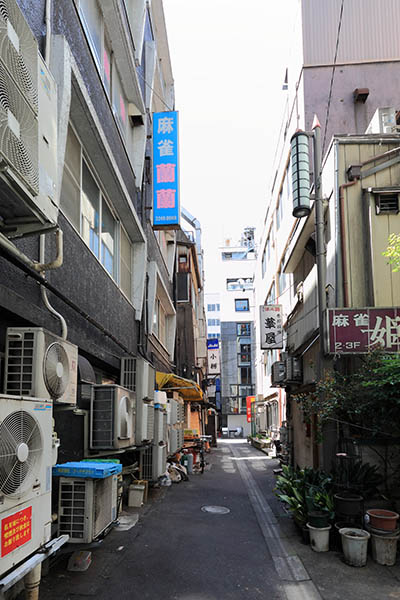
[20, 452]
[56, 370]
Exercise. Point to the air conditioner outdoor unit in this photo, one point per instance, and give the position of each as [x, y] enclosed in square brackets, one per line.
[294, 372]
[112, 417]
[144, 421]
[25, 477]
[28, 130]
[383, 121]
[40, 364]
[86, 507]
[278, 373]
[145, 379]
[159, 443]
[128, 373]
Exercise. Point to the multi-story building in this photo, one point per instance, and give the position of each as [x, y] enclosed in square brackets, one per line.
[213, 315]
[343, 82]
[235, 299]
[79, 254]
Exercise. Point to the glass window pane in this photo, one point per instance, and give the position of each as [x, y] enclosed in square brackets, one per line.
[119, 102]
[126, 264]
[73, 155]
[92, 20]
[90, 210]
[107, 67]
[108, 226]
[70, 198]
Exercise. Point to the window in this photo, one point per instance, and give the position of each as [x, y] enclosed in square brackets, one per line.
[217, 307]
[84, 204]
[239, 284]
[93, 24]
[213, 322]
[119, 103]
[126, 264]
[264, 262]
[279, 211]
[211, 307]
[271, 296]
[243, 329]
[242, 305]
[283, 280]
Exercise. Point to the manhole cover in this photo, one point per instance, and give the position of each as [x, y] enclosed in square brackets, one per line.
[216, 510]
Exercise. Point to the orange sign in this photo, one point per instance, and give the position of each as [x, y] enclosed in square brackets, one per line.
[16, 530]
[249, 401]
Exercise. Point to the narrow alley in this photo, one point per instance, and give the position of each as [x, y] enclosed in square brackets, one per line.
[179, 552]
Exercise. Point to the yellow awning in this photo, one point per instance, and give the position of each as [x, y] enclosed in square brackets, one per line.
[188, 389]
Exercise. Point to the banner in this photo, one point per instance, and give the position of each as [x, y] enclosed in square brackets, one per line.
[166, 209]
[249, 401]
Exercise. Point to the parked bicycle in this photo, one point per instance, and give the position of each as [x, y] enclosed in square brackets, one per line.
[199, 446]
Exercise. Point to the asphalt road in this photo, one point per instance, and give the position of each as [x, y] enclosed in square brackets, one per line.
[179, 552]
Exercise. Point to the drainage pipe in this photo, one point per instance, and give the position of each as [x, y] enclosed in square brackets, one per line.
[343, 240]
[54, 265]
[32, 583]
[33, 264]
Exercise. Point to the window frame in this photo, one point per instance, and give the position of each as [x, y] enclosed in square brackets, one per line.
[245, 300]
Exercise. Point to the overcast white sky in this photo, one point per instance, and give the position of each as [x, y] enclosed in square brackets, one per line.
[228, 61]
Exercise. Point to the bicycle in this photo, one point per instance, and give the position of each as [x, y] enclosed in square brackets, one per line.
[199, 446]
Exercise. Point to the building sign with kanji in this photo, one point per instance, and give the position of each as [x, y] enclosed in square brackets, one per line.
[360, 330]
[213, 356]
[271, 329]
[16, 530]
[166, 211]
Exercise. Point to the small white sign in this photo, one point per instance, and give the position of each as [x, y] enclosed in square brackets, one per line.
[271, 327]
[213, 357]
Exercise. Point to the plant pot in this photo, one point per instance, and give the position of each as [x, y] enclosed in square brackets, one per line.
[349, 504]
[382, 519]
[337, 538]
[384, 548]
[355, 546]
[319, 538]
[318, 518]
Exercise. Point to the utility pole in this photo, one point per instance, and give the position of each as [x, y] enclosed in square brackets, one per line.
[320, 243]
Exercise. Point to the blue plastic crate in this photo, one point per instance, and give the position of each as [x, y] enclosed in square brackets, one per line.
[87, 470]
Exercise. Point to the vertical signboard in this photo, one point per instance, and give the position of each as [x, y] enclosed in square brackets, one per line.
[166, 211]
[249, 403]
[271, 327]
[213, 356]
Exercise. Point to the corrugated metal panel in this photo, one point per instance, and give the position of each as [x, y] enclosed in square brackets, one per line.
[370, 30]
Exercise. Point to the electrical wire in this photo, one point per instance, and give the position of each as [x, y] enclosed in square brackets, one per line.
[333, 77]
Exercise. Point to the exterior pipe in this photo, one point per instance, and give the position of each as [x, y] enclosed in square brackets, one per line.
[48, 32]
[343, 240]
[32, 583]
[54, 265]
[32, 264]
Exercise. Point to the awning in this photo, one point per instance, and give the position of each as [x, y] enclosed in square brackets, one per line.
[188, 389]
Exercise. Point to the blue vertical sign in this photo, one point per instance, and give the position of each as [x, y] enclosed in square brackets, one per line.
[166, 211]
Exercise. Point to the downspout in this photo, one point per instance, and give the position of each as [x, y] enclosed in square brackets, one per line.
[343, 240]
[54, 265]
[42, 266]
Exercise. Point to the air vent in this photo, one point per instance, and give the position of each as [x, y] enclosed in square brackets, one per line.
[20, 365]
[128, 373]
[387, 204]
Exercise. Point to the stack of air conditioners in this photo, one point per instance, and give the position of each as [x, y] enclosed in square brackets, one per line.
[40, 370]
[176, 418]
[160, 443]
[112, 417]
[86, 507]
